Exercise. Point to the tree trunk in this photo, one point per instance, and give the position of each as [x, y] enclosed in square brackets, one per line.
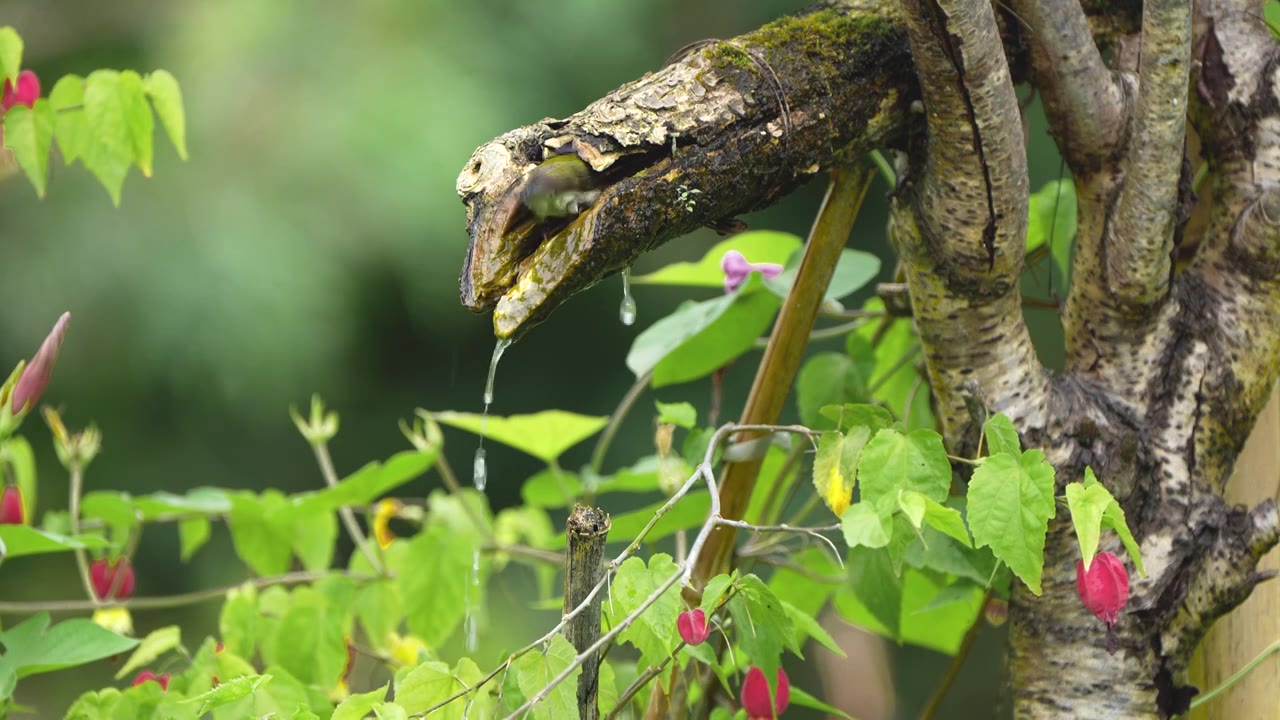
[1168, 363]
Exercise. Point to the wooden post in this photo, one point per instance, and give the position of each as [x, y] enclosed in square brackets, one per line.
[587, 531]
[1238, 638]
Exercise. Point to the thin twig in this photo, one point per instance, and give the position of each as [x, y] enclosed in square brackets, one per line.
[323, 459]
[73, 508]
[815, 532]
[615, 420]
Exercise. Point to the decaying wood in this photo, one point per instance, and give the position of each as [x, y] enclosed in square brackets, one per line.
[586, 532]
[1166, 370]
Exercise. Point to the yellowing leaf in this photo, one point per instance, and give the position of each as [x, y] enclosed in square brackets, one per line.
[835, 466]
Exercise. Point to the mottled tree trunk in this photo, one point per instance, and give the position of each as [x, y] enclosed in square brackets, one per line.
[1173, 342]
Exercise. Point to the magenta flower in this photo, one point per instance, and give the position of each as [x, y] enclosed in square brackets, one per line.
[693, 626]
[755, 694]
[1104, 589]
[35, 376]
[148, 676]
[737, 270]
[102, 576]
[26, 93]
[11, 506]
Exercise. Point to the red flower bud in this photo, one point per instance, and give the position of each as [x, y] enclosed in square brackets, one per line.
[11, 506]
[26, 93]
[1104, 589]
[755, 694]
[146, 675]
[693, 627]
[35, 376]
[102, 575]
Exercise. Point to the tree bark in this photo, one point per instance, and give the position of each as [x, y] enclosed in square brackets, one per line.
[1167, 365]
[1239, 637]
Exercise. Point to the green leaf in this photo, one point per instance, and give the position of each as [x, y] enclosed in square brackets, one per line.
[893, 461]
[380, 610]
[1052, 219]
[261, 531]
[22, 540]
[425, 686]
[314, 536]
[115, 509]
[946, 520]
[157, 643]
[228, 691]
[899, 385]
[873, 597]
[10, 54]
[22, 462]
[545, 435]
[830, 379]
[681, 413]
[865, 526]
[307, 641]
[763, 627]
[535, 670]
[369, 483]
[800, 698]
[137, 115]
[108, 150]
[853, 271]
[390, 711]
[756, 246]
[193, 533]
[1271, 15]
[206, 501]
[435, 590]
[809, 625]
[356, 706]
[32, 646]
[851, 415]
[690, 512]
[607, 689]
[1093, 508]
[238, 624]
[1010, 505]
[701, 337]
[942, 553]
[654, 631]
[1001, 436]
[166, 98]
[835, 467]
[942, 627]
[69, 125]
[551, 488]
[29, 133]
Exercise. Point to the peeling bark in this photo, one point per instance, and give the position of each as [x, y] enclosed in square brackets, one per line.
[1167, 367]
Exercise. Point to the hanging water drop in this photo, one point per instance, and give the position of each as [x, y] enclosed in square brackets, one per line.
[627, 311]
[498, 349]
[479, 468]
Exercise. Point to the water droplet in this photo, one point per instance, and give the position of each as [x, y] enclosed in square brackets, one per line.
[498, 349]
[470, 623]
[479, 469]
[627, 311]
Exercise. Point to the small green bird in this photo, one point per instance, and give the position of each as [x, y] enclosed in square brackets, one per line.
[562, 186]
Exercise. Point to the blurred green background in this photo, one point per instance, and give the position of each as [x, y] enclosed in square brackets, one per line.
[312, 243]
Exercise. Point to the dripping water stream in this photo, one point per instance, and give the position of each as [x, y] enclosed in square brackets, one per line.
[627, 311]
[480, 478]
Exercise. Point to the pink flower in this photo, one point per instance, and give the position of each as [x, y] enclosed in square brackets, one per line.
[102, 576]
[1104, 589]
[737, 270]
[26, 93]
[693, 627]
[147, 675]
[35, 376]
[755, 694]
[11, 506]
